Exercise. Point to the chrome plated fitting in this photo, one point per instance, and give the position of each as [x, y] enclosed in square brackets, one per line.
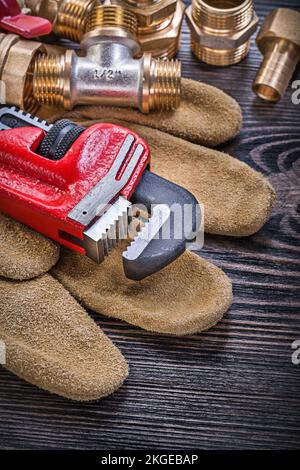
[159, 24]
[221, 30]
[107, 71]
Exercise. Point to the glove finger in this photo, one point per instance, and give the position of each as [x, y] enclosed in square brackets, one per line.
[186, 297]
[24, 253]
[206, 115]
[237, 200]
[58, 349]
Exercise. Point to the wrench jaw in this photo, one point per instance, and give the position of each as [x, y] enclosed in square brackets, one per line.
[105, 234]
[161, 241]
[12, 117]
[152, 260]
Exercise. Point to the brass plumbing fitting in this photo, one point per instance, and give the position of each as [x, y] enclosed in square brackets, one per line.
[106, 72]
[279, 42]
[159, 24]
[68, 17]
[17, 58]
[221, 30]
[159, 21]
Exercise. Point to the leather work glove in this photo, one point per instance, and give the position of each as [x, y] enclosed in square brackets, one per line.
[50, 340]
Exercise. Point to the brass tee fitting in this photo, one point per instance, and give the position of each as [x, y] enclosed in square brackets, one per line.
[17, 58]
[279, 42]
[159, 24]
[106, 72]
[221, 30]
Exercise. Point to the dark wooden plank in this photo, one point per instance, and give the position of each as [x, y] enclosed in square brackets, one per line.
[234, 386]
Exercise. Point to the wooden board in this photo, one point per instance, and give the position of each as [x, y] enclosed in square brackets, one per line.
[234, 386]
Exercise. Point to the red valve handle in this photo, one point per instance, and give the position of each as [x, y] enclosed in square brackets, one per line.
[14, 21]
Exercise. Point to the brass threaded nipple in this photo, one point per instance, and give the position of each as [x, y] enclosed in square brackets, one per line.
[112, 17]
[165, 85]
[48, 79]
[225, 24]
[72, 17]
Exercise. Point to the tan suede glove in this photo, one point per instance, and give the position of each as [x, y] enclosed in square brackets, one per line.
[186, 297]
[49, 339]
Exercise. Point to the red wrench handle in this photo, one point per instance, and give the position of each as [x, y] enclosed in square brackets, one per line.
[41, 192]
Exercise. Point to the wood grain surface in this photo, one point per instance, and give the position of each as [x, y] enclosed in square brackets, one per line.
[234, 386]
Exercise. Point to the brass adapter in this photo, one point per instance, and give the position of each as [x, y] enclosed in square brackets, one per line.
[279, 42]
[221, 30]
[107, 71]
[67, 16]
[17, 58]
[159, 24]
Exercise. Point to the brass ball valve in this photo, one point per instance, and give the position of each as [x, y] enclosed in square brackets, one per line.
[221, 30]
[107, 71]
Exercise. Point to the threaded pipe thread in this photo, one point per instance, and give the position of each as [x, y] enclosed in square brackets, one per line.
[222, 57]
[31, 105]
[111, 16]
[222, 16]
[72, 18]
[48, 79]
[165, 81]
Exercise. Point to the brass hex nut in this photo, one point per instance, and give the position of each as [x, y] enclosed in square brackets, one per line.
[282, 23]
[165, 42]
[217, 41]
[149, 14]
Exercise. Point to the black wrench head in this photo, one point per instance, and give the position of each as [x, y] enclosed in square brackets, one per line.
[177, 222]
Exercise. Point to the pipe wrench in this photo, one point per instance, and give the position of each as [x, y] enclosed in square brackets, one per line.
[82, 186]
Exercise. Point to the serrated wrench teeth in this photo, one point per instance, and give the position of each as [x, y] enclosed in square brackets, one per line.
[12, 117]
[107, 231]
[160, 215]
